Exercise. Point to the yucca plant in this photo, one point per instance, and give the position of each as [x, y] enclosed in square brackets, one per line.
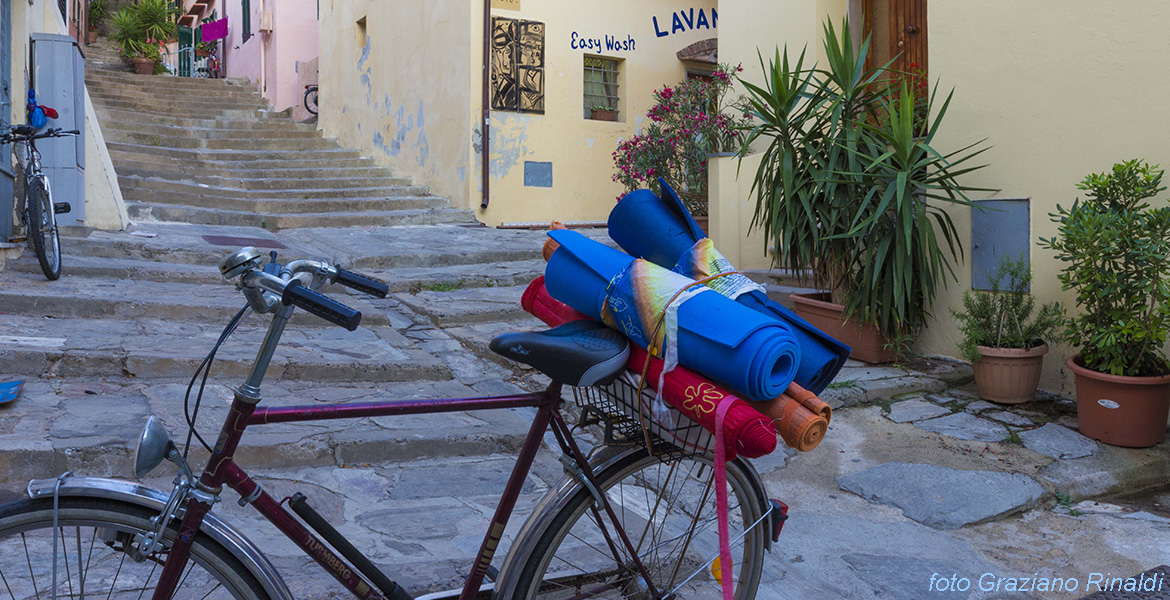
[126, 30]
[847, 192]
[157, 19]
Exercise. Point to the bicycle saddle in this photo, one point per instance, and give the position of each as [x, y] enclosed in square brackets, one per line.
[578, 353]
[23, 130]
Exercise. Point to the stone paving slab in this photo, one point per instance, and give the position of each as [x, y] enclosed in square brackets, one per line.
[944, 498]
[965, 426]
[1008, 418]
[916, 409]
[464, 306]
[1058, 442]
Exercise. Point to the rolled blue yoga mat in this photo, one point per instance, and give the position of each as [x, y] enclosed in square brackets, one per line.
[747, 352]
[661, 230]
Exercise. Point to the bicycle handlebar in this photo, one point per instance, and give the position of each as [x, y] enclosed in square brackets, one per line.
[320, 305]
[20, 133]
[361, 283]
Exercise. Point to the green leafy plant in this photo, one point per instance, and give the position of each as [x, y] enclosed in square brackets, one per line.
[849, 191]
[156, 19]
[1002, 317]
[688, 122]
[98, 10]
[126, 30]
[602, 107]
[1116, 250]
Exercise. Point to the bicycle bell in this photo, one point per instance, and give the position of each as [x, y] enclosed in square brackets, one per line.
[239, 261]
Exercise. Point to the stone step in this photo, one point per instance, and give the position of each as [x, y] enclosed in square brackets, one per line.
[212, 164]
[259, 189]
[90, 425]
[166, 93]
[162, 82]
[467, 306]
[206, 216]
[208, 133]
[128, 118]
[171, 168]
[75, 296]
[299, 142]
[148, 110]
[290, 205]
[177, 104]
[234, 157]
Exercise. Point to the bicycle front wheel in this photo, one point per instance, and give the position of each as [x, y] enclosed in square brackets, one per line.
[668, 511]
[96, 556]
[311, 100]
[42, 227]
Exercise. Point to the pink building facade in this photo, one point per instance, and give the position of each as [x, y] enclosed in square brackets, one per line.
[272, 43]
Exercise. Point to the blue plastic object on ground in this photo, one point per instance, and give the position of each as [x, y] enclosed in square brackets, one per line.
[747, 352]
[662, 230]
[9, 390]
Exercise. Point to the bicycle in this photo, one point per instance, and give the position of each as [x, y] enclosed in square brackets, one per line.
[39, 212]
[311, 98]
[626, 521]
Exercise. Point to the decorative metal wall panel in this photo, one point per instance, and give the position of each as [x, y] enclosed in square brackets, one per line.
[517, 59]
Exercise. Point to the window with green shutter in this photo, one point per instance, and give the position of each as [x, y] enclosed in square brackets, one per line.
[246, 19]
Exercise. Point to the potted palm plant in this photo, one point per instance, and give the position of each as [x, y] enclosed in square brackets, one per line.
[1005, 343]
[1116, 250]
[97, 14]
[850, 191]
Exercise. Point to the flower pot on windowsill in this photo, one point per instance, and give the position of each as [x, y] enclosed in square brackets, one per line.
[143, 66]
[1119, 410]
[604, 115]
[1009, 375]
[867, 341]
[200, 52]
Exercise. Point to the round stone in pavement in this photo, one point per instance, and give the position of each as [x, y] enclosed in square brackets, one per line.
[1058, 441]
[915, 410]
[965, 426]
[944, 498]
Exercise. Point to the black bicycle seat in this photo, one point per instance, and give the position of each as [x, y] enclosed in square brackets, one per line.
[578, 353]
[23, 130]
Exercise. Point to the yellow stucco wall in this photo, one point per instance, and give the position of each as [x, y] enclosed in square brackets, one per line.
[401, 93]
[1060, 89]
[580, 149]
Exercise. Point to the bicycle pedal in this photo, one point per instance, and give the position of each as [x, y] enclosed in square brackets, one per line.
[60, 208]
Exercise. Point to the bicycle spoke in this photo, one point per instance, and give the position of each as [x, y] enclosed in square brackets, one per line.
[28, 559]
[116, 573]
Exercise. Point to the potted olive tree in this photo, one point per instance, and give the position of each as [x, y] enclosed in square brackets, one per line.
[850, 191]
[1116, 250]
[1005, 343]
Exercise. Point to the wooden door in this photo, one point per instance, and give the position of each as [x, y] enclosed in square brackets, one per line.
[907, 35]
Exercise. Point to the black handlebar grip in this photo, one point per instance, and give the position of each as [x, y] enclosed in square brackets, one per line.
[361, 283]
[322, 306]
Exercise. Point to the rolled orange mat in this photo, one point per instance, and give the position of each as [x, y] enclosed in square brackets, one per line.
[798, 426]
[810, 401]
[550, 246]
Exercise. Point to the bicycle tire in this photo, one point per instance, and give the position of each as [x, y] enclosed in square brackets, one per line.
[612, 577]
[42, 227]
[311, 106]
[97, 528]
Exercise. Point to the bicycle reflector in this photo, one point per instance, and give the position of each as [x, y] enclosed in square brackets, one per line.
[779, 516]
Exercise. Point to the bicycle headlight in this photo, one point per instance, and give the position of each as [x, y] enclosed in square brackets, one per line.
[153, 446]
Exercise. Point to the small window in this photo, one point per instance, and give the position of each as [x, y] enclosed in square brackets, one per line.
[246, 20]
[601, 88]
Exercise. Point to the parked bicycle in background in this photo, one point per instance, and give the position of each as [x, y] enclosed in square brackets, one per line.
[39, 213]
[311, 98]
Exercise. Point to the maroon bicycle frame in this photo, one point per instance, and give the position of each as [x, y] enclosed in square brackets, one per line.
[221, 469]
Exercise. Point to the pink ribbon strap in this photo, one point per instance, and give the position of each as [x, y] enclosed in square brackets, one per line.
[725, 564]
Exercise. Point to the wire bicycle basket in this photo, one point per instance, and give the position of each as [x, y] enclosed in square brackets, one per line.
[627, 417]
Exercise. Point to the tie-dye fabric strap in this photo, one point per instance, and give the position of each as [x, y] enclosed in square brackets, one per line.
[703, 261]
[642, 302]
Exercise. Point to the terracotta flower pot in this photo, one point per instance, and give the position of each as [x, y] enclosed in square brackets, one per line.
[604, 115]
[1009, 375]
[867, 341]
[200, 52]
[91, 36]
[1118, 410]
[143, 66]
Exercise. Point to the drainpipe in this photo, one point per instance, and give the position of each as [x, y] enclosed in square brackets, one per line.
[487, 107]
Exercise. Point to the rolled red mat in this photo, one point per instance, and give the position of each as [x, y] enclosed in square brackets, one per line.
[810, 401]
[799, 427]
[747, 432]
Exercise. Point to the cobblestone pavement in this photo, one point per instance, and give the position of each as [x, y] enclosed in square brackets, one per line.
[917, 477]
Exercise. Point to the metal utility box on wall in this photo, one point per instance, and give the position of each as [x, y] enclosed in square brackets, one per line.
[58, 76]
[999, 228]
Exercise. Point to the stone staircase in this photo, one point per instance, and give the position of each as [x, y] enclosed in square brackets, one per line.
[211, 152]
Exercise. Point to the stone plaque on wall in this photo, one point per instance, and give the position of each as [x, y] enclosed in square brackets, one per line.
[506, 4]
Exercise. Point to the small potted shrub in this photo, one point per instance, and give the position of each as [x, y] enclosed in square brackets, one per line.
[97, 14]
[602, 112]
[1116, 250]
[1005, 343]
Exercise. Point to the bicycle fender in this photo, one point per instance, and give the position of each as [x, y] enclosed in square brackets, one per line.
[556, 499]
[147, 497]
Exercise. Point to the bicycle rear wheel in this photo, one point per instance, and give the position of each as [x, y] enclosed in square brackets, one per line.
[311, 100]
[42, 227]
[96, 558]
[668, 511]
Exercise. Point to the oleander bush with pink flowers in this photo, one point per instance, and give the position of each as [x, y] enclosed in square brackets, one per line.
[688, 122]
